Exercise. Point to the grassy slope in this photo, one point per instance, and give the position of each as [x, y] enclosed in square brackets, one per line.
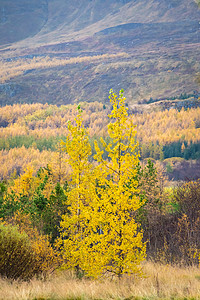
[142, 76]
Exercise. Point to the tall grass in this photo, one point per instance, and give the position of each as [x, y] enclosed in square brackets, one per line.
[159, 282]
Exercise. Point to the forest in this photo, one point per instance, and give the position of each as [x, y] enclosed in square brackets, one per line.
[30, 133]
[86, 188]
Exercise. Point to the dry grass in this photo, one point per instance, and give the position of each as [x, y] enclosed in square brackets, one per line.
[12, 69]
[159, 282]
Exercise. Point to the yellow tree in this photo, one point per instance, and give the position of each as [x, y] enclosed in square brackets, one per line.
[100, 234]
[114, 243]
[74, 225]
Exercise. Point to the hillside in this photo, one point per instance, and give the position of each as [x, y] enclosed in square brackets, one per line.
[156, 42]
[55, 20]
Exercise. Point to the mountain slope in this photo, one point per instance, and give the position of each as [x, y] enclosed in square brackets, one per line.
[71, 20]
[21, 19]
[158, 42]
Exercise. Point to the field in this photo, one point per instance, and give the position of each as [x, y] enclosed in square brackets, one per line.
[159, 282]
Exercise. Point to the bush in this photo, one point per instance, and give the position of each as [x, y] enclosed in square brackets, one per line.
[16, 257]
[22, 257]
[177, 230]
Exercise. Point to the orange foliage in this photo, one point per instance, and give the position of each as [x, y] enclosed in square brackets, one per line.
[45, 121]
[15, 161]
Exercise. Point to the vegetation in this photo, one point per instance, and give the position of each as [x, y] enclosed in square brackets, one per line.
[40, 196]
[29, 133]
[160, 282]
[75, 227]
[99, 209]
[96, 203]
[23, 255]
[14, 68]
[86, 75]
[120, 242]
[100, 233]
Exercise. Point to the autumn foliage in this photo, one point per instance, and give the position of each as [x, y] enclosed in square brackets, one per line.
[76, 183]
[100, 233]
[24, 253]
[30, 133]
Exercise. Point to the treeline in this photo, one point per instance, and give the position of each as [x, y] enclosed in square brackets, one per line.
[29, 141]
[160, 128]
[182, 96]
[186, 150]
[44, 121]
[30, 133]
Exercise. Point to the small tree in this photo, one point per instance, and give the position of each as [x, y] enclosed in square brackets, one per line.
[151, 180]
[37, 195]
[100, 234]
[115, 243]
[74, 226]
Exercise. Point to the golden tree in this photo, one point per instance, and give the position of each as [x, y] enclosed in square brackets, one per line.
[102, 235]
[74, 226]
[117, 245]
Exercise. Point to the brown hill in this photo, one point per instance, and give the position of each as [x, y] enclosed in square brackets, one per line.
[63, 20]
[161, 39]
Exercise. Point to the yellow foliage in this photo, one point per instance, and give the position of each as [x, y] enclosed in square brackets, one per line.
[102, 233]
[24, 184]
[74, 224]
[118, 247]
[46, 121]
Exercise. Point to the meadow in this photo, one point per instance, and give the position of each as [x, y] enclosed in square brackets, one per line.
[160, 281]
